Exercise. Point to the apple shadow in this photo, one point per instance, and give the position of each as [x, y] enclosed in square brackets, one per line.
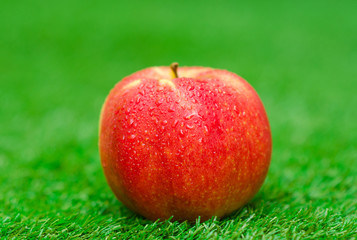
[117, 210]
[263, 203]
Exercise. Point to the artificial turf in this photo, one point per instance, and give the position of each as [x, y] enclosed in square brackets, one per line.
[58, 61]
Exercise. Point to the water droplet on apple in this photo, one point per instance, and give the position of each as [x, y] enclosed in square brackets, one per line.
[175, 123]
[159, 102]
[188, 117]
[182, 134]
[206, 129]
[171, 109]
[131, 121]
[155, 119]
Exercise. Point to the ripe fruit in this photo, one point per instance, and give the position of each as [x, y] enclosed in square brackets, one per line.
[184, 142]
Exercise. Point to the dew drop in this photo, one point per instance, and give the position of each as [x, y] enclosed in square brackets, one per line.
[155, 119]
[164, 122]
[206, 129]
[159, 102]
[182, 134]
[188, 117]
[131, 121]
[175, 123]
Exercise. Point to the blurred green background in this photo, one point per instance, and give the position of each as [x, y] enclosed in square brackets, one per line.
[58, 61]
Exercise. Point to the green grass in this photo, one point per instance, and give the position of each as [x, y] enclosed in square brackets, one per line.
[59, 60]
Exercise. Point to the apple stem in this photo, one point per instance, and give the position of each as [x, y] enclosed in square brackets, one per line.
[174, 67]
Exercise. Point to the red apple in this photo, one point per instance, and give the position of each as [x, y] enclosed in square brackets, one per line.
[186, 142]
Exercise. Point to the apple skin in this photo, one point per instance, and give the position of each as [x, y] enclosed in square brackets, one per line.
[196, 145]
